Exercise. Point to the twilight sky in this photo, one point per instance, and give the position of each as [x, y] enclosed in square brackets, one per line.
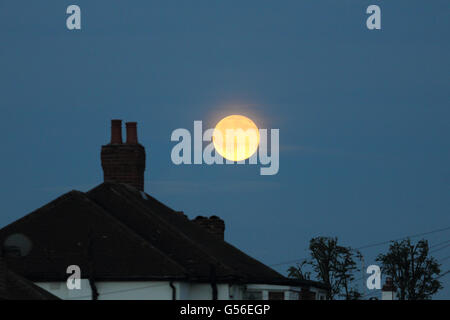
[363, 115]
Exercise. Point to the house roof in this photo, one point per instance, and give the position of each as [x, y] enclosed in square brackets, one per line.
[115, 232]
[15, 287]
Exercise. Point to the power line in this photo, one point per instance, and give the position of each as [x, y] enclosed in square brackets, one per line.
[410, 236]
[440, 243]
[284, 263]
[374, 244]
[442, 248]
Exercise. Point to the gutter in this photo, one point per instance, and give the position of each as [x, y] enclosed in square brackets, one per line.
[90, 256]
[212, 275]
[174, 290]
[94, 290]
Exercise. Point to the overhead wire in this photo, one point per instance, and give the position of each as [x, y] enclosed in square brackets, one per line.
[378, 244]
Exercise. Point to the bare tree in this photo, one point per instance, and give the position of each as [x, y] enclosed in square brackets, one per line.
[414, 272]
[334, 265]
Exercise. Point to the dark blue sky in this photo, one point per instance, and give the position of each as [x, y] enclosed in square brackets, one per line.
[363, 115]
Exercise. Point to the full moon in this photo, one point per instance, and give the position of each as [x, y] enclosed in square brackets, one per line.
[236, 138]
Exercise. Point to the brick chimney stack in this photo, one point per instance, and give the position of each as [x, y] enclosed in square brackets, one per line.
[214, 225]
[124, 163]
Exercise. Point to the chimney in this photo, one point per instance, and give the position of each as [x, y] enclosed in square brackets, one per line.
[389, 291]
[132, 133]
[116, 131]
[124, 163]
[213, 225]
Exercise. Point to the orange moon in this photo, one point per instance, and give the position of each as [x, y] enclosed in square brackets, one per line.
[236, 138]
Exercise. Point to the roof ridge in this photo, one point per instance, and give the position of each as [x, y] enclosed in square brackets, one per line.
[66, 196]
[198, 245]
[143, 208]
[131, 232]
[179, 271]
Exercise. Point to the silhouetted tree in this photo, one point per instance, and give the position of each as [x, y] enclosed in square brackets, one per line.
[333, 265]
[413, 271]
[297, 272]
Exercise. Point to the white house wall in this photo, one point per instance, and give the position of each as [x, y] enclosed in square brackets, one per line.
[126, 290]
[204, 292]
[141, 290]
[162, 290]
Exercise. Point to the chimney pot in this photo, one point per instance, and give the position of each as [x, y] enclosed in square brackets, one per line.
[116, 131]
[132, 133]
